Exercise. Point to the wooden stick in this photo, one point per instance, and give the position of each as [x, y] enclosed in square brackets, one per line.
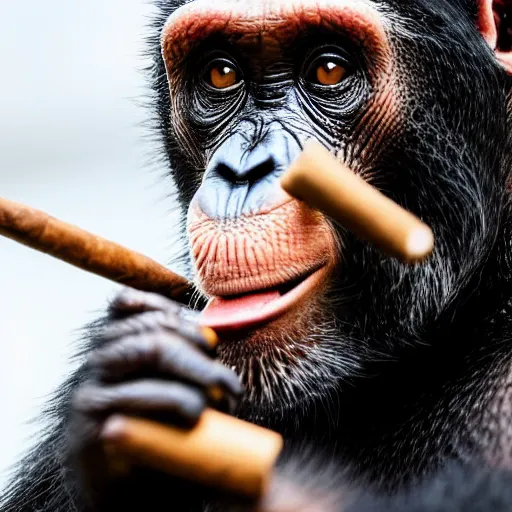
[221, 452]
[319, 180]
[89, 252]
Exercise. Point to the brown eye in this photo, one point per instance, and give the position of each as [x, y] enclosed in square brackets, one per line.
[330, 73]
[223, 76]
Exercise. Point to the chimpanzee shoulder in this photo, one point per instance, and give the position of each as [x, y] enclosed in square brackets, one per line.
[456, 489]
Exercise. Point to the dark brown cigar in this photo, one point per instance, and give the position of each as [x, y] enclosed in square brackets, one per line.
[89, 252]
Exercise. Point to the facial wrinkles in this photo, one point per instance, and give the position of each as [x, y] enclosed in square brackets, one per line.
[266, 249]
[265, 27]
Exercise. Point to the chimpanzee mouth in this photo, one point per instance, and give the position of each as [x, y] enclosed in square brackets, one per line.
[261, 306]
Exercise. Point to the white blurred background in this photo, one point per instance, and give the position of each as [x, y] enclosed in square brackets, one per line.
[70, 145]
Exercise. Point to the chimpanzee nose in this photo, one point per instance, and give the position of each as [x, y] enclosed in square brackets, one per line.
[239, 181]
[254, 169]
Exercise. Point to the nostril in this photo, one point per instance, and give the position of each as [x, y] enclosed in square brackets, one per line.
[249, 175]
[259, 171]
[228, 173]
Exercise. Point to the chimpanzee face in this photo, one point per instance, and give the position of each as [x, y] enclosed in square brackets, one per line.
[410, 97]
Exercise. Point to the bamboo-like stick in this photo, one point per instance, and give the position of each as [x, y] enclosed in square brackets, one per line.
[323, 183]
[221, 452]
[89, 252]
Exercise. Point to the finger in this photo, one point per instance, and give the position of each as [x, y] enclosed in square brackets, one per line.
[141, 397]
[132, 301]
[165, 354]
[151, 321]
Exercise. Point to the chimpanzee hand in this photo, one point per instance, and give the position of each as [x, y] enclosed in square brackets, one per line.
[150, 362]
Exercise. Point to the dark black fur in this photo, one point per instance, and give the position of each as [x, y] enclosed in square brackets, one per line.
[420, 406]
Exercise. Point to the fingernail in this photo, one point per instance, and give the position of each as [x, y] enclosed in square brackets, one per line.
[216, 393]
[211, 337]
[114, 429]
[203, 337]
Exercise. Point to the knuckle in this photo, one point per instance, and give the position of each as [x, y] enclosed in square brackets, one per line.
[135, 324]
[152, 347]
[155, 321]
[126, 293]
[188, 400]
[171, 307]
[192, 332]
[93, 359]
[174, 355]
[155, 348]
[152, 320]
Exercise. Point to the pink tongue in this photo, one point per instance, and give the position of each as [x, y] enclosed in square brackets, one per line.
[221, 311]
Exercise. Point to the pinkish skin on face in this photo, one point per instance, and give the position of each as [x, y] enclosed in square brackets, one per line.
[259, 251]
[229, 257]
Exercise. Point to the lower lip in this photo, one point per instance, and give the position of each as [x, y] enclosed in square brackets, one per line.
[271, 310]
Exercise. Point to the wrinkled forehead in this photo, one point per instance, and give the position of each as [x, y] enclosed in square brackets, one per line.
[263, 9]
[281, 19]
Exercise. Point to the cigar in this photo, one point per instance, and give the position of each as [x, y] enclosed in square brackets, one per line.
[220, 452]
[89, 252]
[323, 183]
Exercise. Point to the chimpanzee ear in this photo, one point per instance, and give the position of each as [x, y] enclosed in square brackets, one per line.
[495, 24]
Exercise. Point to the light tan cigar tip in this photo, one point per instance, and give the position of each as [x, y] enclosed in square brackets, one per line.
[313, 145]
[420, 243]
[211, 336]
[114, 429]
[287, 183]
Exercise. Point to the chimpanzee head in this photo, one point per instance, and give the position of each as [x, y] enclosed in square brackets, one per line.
[413, 95]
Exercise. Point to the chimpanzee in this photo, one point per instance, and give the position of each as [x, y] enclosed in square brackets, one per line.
[391, 384]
